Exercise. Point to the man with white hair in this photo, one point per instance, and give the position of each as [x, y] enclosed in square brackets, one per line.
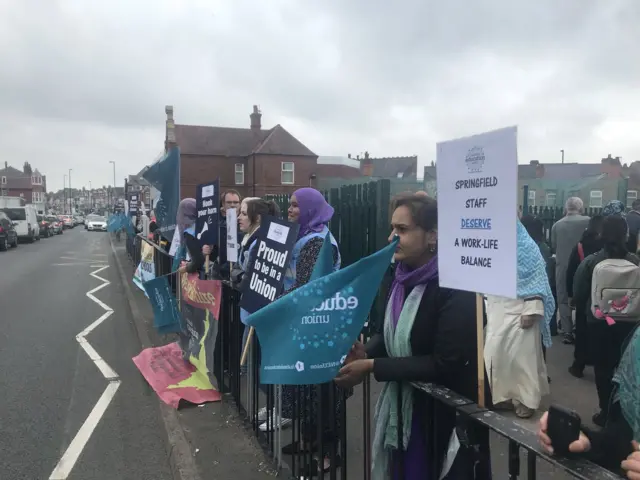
[565, 234]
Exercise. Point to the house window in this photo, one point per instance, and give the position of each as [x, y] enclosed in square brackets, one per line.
[239, 173]
[287, 174]
[3, 193]
[632, 196]
[550, 201]
[36, 180]
[532, 198]
[595, 199]
[400, 174]
[4, 180]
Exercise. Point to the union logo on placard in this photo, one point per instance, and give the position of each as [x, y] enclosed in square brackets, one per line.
[300, 366]
[475, 159]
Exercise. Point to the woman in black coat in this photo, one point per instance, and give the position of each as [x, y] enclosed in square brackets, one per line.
[590, 243]
[428, 336]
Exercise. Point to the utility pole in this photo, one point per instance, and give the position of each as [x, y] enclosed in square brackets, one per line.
[70, 195]
[114, 181]
[562, 152]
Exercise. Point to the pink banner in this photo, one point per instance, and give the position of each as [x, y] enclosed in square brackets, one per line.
[203, 294]
[172, 378]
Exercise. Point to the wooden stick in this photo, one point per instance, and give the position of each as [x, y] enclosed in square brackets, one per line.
[245, 350]
[480, 346]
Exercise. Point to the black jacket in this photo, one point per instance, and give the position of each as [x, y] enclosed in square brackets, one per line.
[590, 245]
[443, 342]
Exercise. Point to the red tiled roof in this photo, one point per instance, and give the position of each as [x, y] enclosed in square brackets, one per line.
[237, 142]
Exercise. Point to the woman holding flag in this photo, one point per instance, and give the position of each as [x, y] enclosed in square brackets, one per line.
[189, 249]
[428, 335]
[309, 209]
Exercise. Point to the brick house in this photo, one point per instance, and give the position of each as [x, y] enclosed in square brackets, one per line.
[251, 160]
[27, 183]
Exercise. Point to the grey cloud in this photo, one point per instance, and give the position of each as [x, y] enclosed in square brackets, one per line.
[91, 78]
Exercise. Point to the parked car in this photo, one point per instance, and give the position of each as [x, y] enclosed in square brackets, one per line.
[97, 224]
[67, 221]
[45, 227]
[26, 220]
[56, 225]
[8, 234]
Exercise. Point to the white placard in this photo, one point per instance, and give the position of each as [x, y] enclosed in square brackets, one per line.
[477, 212]
[232, 235]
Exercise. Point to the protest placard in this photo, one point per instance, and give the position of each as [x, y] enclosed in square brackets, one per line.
[275, 240]
[146, 268]
[133, 204]
[232, 235]
[477, 199]
[207, 204]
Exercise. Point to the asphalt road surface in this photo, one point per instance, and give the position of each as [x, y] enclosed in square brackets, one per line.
[64, 414]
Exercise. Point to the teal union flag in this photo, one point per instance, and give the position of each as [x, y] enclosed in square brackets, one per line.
[306, 334]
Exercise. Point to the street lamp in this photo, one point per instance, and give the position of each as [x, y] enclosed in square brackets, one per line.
[64, 193]
[70, 194]
[114, 180]
[562, 152]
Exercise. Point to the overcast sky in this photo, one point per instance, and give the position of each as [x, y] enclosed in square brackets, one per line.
[85, 82]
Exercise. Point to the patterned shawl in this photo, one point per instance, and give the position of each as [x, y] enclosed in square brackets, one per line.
[532, 279]
[628, 379]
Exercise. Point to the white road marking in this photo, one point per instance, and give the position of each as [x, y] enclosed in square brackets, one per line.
[86, 264]
[71, 455]
[67, 462]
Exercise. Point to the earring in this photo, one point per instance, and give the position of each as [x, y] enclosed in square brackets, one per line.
[432, 248]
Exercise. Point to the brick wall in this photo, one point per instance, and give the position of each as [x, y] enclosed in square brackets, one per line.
[197, 169]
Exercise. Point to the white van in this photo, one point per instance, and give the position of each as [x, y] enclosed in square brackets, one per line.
[26, 220]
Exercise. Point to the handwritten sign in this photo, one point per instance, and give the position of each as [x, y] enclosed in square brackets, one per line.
[477, 180]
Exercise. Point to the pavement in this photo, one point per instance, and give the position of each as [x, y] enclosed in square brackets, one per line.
[56, 401]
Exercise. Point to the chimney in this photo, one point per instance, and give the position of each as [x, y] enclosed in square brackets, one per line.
[366, 165]
[611, 166]
[170, 129]
[6, 164]
[256, 116]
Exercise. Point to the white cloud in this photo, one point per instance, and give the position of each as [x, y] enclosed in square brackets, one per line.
[86, 82]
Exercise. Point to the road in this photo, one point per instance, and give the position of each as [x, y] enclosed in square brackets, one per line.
[51, 389]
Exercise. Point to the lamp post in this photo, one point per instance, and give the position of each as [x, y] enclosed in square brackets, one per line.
[114, 180]
[64, 193]
[70, 195]
[562, 152]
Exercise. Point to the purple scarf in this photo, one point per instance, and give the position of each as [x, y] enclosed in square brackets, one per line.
[406, 278]
[315, 212]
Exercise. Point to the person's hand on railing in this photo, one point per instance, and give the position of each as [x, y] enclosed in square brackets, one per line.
[582, 445]
[354, 373]
[632, 464]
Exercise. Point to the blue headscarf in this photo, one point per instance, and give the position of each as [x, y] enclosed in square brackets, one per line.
[613, 208]
[533, 280]
[628, 379]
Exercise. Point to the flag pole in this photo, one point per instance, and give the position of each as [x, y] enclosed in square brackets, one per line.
[480, 346]
[245, 350]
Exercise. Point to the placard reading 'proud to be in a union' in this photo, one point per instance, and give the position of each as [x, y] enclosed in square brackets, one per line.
[477, 212]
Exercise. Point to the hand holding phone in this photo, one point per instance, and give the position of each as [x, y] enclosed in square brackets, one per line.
[563, 428]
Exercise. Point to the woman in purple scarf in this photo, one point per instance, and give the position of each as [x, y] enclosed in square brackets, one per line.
[309, 209]
[428, 336]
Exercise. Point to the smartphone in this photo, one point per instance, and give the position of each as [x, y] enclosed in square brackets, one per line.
[563, 428]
